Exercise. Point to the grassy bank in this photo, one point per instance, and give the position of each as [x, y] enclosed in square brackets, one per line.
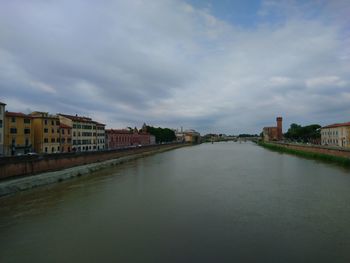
[309, 155]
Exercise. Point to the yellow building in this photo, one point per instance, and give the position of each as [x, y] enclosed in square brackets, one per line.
[19, 135]
[336, 135]
[46, 132]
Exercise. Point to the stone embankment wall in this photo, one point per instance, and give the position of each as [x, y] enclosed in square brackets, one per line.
[11, 167]
[332, 151]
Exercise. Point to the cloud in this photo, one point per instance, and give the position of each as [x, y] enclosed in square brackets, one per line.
[166, 62]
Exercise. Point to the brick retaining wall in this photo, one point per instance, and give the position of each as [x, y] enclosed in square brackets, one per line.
[340, 152]
[29, 165]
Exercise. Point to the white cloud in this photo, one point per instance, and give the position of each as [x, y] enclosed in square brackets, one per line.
[168, 63]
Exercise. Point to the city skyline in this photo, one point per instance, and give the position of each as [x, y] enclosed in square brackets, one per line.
[214, 66]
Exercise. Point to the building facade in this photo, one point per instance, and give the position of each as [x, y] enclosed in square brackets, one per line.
[65, 138]
[100, 136]
[116, 139]
[19, 134]
[87, 135]
[336, 135]
[191, 136]
[46, 132]
[2, 128]
[273, 133]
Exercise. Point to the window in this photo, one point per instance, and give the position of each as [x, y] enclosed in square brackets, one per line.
[68, 131]
[53, 149]
[57, 122]
[58, 140]
[58, 131]
[46, 140]
[73, 133]
[63, 140]
[0, 123]
[13, 142]
[62, 131]
[52, 130]
[52, 122]
[26, 131]
[58, 148]
[52, 139]
[27, 142]
[27, 121]
[13, 130]
[13, 119]
[46, 149]
[46, 130]
[45, 121]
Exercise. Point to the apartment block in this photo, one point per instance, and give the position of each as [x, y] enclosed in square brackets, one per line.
[46, 132]
[85, 136]
[100, 136]
[65, 138]
[336, 135]
[118, 138]
[19, 135]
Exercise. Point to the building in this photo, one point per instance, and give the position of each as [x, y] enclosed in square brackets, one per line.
[273, 133]
[2, 127]
[336, 135]
[191, 136]
[19, 135]
[100, 136]
[126, 137]
[65, 138]
[83, 132]
[118, 138]
[46, 132]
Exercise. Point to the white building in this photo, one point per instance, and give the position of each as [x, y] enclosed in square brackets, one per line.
[100, 136]
[2, 129]
[83, 132]
[336, 135]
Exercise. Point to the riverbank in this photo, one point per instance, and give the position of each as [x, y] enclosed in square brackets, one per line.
[338, 156]
[15, 185]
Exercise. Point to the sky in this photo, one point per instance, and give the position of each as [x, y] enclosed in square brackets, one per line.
[215, 66]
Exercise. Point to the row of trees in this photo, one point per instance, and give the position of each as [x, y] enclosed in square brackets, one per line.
[310, 133]
[162, 134]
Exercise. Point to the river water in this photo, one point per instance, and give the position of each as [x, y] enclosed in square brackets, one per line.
[222, 202]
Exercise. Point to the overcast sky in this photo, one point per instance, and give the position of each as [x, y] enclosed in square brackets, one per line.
[215, 66]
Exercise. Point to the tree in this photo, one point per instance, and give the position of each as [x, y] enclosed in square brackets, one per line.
[162, 134]
[309, 133]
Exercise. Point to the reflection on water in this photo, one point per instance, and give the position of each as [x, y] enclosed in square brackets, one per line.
[224, 202]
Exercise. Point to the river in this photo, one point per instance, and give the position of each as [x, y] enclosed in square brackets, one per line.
[221, 202]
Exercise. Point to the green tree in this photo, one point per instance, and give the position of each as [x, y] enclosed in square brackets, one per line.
[308, 133]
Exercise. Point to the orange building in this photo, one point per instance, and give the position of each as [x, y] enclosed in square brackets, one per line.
[19, 135]
[273, 133]
[46, 132]
[65, 138]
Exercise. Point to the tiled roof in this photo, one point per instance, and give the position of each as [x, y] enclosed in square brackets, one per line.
[100, 124]
[335, 125]
[16, 114]
[77, 118]
[119, 131]
[64, 126]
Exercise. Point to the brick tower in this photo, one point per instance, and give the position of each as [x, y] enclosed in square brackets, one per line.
[279, 128]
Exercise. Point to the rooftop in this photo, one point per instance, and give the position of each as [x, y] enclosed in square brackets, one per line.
[335, 125]
[76, 117]
[118, 131]
[16, 114]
